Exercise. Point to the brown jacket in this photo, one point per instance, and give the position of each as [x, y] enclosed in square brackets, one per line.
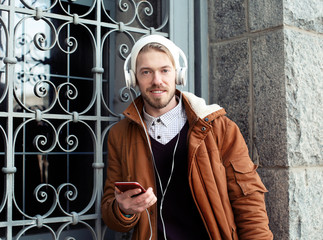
[223, 180]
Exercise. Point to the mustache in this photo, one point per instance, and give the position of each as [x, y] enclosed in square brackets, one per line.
[158, 88]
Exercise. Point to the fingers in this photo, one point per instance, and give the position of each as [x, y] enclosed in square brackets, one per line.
[152, 199]
[117, 190]
[129, 193]
[130, 204]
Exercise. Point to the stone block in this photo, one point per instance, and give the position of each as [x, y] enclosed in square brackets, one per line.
[276, 181]
[264, 14]
[305, 204]
[230, 69]
[305, 14]
[227, 19]
[304, 88]
[269, 98]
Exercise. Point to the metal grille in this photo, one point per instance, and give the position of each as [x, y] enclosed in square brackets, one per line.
[61, 89]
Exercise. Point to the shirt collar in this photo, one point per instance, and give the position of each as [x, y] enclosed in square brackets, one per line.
[167, 118]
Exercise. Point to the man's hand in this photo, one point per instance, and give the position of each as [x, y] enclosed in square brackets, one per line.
[137, 204]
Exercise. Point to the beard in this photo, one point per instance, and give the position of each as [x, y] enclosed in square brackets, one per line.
[160, 102]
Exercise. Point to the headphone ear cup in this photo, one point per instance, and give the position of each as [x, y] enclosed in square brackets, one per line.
[181, 76]
[127, 73]
[181, 71]
[132, 78]
[127, 78]
[178, 76]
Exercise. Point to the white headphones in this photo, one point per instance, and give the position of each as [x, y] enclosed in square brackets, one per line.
[130, 76]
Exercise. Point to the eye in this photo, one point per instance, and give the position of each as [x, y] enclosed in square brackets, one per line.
[145, 72]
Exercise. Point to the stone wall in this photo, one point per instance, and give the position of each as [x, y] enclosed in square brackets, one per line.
[304, 88]
[266, 69]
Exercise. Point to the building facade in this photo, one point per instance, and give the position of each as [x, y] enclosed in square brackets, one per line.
[266, 69]
[62, 88]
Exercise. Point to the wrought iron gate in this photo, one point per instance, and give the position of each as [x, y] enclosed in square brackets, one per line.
[61, 89]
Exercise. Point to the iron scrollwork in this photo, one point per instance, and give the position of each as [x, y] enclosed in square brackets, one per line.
[28, 59]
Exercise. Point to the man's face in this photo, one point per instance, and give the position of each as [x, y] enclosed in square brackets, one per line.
[156, 80]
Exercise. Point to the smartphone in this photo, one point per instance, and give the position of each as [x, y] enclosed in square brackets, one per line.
[125, 186]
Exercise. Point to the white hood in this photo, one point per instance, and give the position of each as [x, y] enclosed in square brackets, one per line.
[199, 106]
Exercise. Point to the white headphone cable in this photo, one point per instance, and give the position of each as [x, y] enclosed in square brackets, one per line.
[148, 141]
[163, 196]
[149, 220]
[153, 159]
[163, 192]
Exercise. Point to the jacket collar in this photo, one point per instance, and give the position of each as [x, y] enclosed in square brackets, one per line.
[199, 109]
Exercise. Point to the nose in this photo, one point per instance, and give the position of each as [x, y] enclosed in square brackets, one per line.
[157, 78]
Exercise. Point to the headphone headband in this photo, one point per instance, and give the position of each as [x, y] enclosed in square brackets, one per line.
[175, 51]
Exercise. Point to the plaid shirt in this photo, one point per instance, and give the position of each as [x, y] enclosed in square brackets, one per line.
[165, 127]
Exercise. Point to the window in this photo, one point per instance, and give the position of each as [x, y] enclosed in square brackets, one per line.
[61, 89]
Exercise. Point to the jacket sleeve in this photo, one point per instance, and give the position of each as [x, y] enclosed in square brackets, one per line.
[109, 207]
[245, 188]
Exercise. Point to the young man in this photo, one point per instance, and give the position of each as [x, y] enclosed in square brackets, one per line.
[187, 153]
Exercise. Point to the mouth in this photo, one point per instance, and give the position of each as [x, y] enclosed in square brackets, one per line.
[157, 91]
